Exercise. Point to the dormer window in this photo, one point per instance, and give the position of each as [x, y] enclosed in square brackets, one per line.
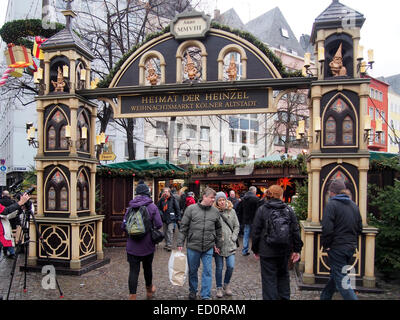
[285, 33]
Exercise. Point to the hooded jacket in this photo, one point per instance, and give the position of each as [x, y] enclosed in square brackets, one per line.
[249, 205]
[259, 244]
[228, 237]
[201, 228]
[341, 223]
[144, 246]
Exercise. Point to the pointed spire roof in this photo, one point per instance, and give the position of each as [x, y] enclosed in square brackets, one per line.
[335, 16]
[231, 19]
[67, 38]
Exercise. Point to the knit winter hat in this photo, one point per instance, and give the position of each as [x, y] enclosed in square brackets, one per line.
[142, 189]
[220, 195]
[337, 186]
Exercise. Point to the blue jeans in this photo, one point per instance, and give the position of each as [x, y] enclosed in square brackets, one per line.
[193, 258]
[338, 259]
[246, 237]
[219, 265]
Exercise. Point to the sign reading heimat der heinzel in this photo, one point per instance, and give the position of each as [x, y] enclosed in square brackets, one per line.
[206, 103]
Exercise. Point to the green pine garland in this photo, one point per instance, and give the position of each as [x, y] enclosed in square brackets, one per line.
[19, 32]
[243, 34]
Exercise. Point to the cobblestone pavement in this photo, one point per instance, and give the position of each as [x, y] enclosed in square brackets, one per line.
[110, 282]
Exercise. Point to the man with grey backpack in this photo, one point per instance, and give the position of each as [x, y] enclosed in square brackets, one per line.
[275, 241]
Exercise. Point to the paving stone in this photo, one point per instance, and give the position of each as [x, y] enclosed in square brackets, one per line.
[110, 282]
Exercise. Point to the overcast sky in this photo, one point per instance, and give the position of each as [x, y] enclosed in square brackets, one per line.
[381, 30]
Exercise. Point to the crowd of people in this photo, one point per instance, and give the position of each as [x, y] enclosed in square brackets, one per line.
[211, 226]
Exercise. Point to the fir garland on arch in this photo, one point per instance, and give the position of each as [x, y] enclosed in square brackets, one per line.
[276, 61]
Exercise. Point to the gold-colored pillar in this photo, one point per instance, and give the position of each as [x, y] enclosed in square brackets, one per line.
[315, 171]
[363, 170]
[40, 188]
[73, 169]
[75, 263]
[92, 194]
[47, 75]
[302, 257]
[32, 258]
[308, 275]
[74, 125]
[369, 275]
[99, 240]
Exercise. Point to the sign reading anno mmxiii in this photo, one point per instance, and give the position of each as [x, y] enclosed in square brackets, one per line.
[199, 103]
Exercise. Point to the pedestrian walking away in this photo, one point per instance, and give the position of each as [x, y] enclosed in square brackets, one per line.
[249, 207]
[142, 250]
[171, 214]
[230, 233]
[201, 228]
[276, 241]
[341, 226]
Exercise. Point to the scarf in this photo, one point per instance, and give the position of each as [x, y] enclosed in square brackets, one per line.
[165, 203]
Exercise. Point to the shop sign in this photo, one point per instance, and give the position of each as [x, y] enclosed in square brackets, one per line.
[196, 103]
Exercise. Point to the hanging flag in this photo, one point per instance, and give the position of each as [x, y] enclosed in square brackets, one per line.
[18, 56]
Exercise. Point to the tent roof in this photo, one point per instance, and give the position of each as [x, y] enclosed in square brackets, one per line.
[376, 155]
[154, 163]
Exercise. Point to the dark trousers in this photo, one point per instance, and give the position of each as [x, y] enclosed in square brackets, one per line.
[134, 269]
[275, 278]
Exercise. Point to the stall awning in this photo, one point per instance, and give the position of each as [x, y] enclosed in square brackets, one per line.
[154, 163]
[376, 155]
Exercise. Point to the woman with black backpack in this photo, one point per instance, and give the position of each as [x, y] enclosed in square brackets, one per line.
[275, 240]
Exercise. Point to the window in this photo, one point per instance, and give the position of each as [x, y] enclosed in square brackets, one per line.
[82, 193]
[161, 128]
[57, 192]
[383, 115]
[347, 131]
[377, 114]
[205, 133]
[191, 131]
[232, 136]
[330, 131]
[284, 33]
[83, 121]
[55, 131]
[371, 112]
[244, 137]
[233, 123]
[254, 138]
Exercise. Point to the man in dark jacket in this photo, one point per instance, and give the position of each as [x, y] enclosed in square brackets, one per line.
[249, 206]
[274, 255]
[341, 226]
[6, 201]
[170, 213]
[202, 228]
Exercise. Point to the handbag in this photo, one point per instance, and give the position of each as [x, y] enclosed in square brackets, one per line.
[229, 226]
[156, 235]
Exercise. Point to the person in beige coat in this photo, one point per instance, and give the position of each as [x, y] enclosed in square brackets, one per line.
[230, 231]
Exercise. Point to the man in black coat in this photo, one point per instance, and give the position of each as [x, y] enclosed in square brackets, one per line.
[274, 255]
[249, 205]
[341, 226]
[170, 214]
[6, 201]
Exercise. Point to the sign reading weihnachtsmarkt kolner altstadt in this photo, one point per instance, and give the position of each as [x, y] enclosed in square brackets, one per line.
[204, 102]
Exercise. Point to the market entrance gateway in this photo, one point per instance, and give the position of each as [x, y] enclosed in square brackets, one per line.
[196, 72]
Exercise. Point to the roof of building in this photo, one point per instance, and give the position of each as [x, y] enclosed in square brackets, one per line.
[230, 18]
[337, 15]
[393, 81]
[66, 39]
[273, 29]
